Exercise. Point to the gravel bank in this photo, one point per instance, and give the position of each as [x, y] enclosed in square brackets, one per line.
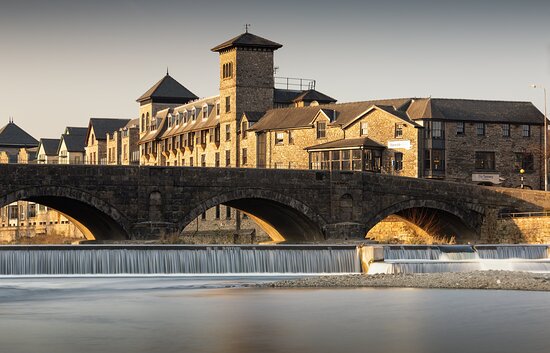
[504, 280]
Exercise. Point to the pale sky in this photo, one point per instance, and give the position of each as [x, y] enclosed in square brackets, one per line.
[64, 61]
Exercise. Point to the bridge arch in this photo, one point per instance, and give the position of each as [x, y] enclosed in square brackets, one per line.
[447, 219]
[282, 217]
[95, 218]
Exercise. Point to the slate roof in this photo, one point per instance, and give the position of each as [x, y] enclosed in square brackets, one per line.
[479, 110]
[285, 96]
[50, 146]
[409, 110]
[253, 116]
[313, 95]
[73, 142]
[102, 126]
[247, 40]
[71, 130]
[167, 90]
[211, 121]
[12, 135]
[346, 143]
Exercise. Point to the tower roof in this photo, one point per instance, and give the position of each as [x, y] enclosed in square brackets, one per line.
[12, 135]
[247, 40]
[167, 90]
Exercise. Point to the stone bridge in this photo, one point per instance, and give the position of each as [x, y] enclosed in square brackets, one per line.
[131, 202]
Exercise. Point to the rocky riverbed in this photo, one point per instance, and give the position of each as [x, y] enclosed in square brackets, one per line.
[504, 280]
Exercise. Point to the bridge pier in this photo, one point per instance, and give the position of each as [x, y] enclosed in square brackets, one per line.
[345, 231]
[152, 230]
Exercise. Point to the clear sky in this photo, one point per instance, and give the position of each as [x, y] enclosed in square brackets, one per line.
[64, 61]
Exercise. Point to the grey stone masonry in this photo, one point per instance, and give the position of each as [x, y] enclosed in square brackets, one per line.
[124, 202]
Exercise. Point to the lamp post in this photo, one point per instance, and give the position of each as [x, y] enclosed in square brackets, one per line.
[521, 171]
[545, 139]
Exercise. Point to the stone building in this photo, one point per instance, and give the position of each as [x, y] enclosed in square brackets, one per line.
[96, 139]
[475, 141]
[47, 151]
[12, 140]
[72, 144]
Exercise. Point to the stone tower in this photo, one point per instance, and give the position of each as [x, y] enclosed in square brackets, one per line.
[246, 84]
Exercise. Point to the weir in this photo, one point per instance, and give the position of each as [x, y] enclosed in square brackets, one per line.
[176, 259]
[461, 258]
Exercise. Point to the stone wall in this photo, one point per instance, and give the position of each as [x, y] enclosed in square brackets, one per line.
[529, 230]
[460, 153]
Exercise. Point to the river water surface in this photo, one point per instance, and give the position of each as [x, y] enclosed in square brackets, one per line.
[218, 314]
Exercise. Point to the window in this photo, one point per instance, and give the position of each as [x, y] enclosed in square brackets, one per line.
[506, 130]
[279, 138]
[204, 136]
[194, 114]
[525, 161]
[364, 128]
[460, 128]
[398, 161]
[485, 161]
[205, 112]
[321, 129]
[203, 216]
[398, 130]
[227, 132]
[244, 127]
[227, 158]
[427, 160]
[290, 137]
[437, 129]
[244, 156]
[227, 104]
[217, 133]
[190, 161]
[227, 70]
[203, 160]
[480, 129]
[218, 109]
[217, 159]
[438, 160]
[217, 212]
[227, 212]
[526, 130]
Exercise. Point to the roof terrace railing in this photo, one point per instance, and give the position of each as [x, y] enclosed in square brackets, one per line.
[293, 83]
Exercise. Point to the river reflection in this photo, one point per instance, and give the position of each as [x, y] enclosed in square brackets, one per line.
[197, 314]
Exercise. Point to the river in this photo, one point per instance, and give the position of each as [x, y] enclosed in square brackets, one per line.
[219, 314]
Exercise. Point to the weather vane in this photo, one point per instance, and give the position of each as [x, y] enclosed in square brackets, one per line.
[246, 27]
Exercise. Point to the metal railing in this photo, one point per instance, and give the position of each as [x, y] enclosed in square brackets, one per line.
[524, 214]
[293, 83]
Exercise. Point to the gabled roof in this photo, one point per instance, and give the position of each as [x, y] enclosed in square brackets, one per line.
[247, 40]
[71, 130]
[285, 96]
[167, 90]
[409, 110]
[12, 135]
[74, 143]
[102, 126]
[50, 146]
[476, 110]
[347, 143]
[313, 95]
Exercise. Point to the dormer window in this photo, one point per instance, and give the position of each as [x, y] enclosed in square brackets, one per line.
[218, 109]
[185, 117]
[205, 112]
[194, 114]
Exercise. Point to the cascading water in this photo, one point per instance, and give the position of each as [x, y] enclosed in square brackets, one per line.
[462, 258]
[101, 259]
